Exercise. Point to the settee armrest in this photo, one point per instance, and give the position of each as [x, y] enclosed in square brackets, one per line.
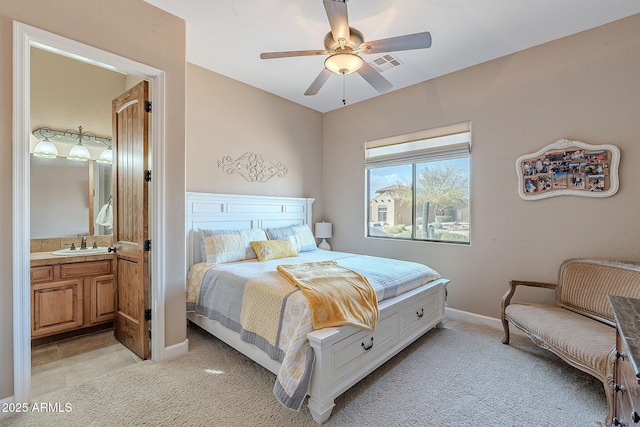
[506, 300]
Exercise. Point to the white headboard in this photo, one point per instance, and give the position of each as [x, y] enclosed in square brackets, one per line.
[237, 212]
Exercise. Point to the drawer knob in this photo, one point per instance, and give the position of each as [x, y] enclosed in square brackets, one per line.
[420, 313]
[369, 347]
[618, 388]
[619, 355]
[635, 417]
[617, 422]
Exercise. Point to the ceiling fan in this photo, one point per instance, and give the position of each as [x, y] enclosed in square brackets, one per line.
[343, 44]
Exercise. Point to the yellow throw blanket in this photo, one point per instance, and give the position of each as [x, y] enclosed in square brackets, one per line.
[337, 296]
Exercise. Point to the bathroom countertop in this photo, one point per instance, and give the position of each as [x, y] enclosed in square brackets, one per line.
[46, 258]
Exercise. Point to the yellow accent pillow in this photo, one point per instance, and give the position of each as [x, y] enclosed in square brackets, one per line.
[273, 249]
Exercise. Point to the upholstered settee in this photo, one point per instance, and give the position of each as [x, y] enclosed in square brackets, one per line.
[580, 327]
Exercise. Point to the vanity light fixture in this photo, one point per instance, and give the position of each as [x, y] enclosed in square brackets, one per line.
[81, 140]
[46, 149]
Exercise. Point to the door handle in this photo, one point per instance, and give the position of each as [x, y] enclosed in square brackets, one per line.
[111, 249]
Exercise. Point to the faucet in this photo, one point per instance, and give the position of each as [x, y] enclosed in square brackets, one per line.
[83, 244]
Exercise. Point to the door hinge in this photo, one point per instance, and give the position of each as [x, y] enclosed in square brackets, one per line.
[147, 175]
[147, 245]
[147, 106]
[147, 314]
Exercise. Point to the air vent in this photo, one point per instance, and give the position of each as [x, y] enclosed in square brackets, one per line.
[385, 62]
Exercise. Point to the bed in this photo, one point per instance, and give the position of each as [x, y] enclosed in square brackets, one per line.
[321, 363]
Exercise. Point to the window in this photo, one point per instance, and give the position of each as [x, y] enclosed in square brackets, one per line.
[418, 185]
[382, 213]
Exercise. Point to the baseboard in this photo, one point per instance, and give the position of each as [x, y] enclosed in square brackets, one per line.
[176, 350]
[466, 316]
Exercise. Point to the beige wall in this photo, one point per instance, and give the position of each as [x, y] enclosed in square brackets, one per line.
[584, 87]
[132, 29]
[67, 93]
[229, 118]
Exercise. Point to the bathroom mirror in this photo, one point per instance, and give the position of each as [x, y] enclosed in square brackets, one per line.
[67, 196]
[66, 93]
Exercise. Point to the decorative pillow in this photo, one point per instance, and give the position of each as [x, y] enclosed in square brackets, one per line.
[274, 249]
[221, 246]
[304, 240]
[279, 233]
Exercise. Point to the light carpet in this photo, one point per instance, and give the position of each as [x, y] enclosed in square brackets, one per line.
[461, 375]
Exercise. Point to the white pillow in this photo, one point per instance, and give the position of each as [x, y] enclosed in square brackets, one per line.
[221, 246]
[304, 238]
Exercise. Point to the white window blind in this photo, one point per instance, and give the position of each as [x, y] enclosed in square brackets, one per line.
[444, 142]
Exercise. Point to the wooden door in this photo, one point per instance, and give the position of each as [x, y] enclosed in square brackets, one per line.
[130, 219]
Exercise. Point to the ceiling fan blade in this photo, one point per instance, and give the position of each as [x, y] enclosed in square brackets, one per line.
[319, 82]
[408, 42]
[338, 19]
[374, 78]
[290, 53]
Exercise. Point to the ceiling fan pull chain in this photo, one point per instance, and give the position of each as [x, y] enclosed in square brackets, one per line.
[344, 96]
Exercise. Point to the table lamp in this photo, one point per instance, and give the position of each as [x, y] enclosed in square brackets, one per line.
[323, 231]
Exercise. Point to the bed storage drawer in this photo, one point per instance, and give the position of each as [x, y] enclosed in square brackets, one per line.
[423, 312]
[358, 350]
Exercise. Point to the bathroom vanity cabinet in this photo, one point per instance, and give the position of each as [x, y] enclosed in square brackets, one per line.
[71, 296]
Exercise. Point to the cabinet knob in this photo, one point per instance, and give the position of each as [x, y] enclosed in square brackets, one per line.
[111, 249]
[618, 388]
[617, 422]
[619, 355]
[635, 417]
[367, 347]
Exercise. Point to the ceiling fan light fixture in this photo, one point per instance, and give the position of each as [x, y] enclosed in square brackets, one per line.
[343, 63]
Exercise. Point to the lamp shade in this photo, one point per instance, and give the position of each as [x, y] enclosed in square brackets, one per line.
[343, 63]
[78, 153]
[323, 230]
[106, 156]
[45, 149]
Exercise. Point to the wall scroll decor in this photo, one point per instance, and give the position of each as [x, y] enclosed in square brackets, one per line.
[253, 167]
[569, 168]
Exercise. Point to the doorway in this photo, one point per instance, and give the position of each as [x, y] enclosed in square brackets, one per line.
[26, 37]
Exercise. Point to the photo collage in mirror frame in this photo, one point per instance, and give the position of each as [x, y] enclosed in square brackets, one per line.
[567, 169]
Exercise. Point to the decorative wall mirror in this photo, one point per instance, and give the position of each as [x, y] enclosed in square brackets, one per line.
[569, 168]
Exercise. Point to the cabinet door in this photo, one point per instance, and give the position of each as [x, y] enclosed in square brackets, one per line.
[56, 307]
[101, 308]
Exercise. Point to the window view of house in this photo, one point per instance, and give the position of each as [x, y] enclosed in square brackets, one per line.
[438, 210]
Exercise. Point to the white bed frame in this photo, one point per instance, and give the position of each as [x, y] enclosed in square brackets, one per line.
[343, 355]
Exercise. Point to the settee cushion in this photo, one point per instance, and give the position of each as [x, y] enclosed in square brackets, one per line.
[584, 285]
[585, 340]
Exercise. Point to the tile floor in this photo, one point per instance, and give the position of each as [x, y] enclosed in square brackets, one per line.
[75, 360]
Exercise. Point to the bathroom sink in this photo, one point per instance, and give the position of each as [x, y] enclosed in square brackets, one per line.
[80, 252]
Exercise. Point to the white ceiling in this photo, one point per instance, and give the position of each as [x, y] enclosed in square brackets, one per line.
[228, 36]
